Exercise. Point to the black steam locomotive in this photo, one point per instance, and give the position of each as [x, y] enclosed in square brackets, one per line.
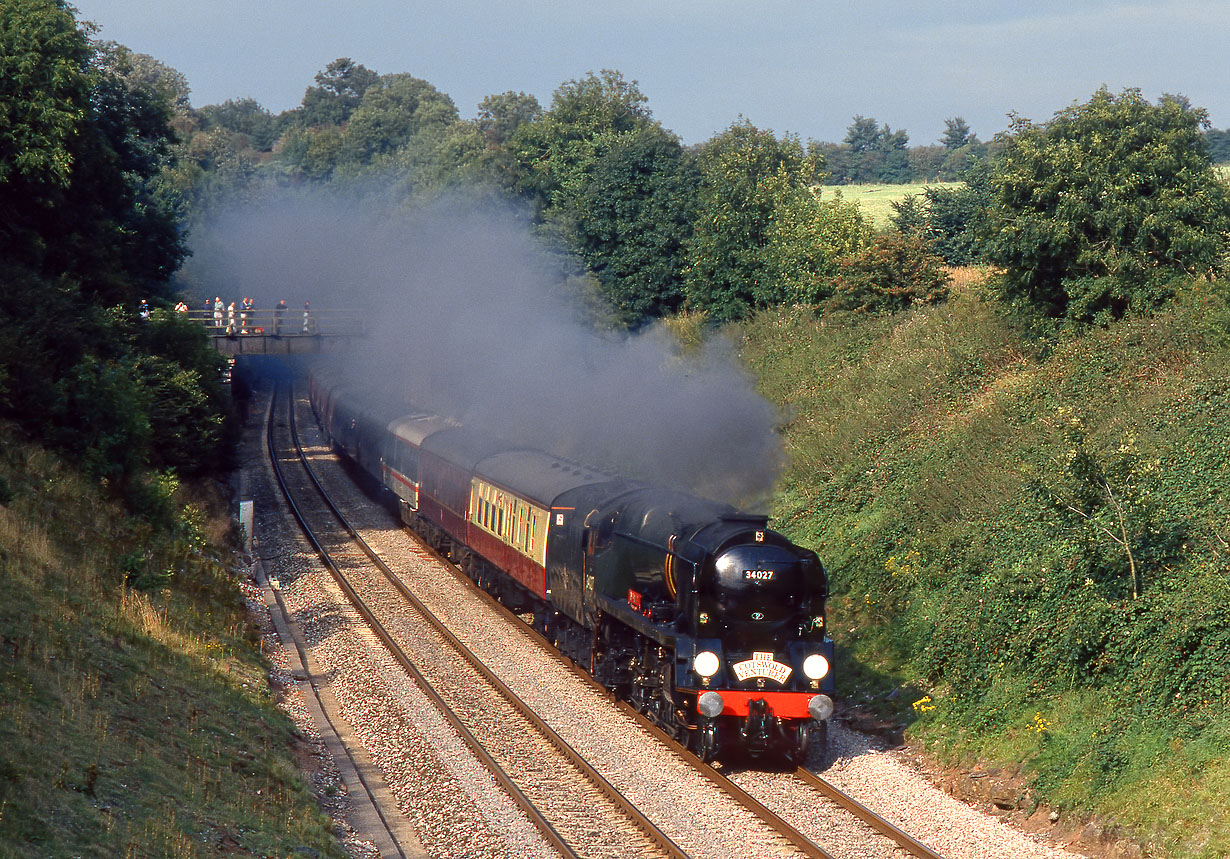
[697, 614]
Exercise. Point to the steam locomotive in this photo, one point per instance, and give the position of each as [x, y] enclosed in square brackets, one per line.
[700, 616]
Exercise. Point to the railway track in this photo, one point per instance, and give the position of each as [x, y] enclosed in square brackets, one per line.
[562, 794]
[803, 844]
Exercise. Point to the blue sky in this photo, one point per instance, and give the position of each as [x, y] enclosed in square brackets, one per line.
[792, 66]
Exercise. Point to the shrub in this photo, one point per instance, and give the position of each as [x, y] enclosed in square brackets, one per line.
[894, 273]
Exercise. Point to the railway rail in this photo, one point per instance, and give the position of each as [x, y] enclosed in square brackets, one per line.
[539, 798]
[813, 781]
[903, 844]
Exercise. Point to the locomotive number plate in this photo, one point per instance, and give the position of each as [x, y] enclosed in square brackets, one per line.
[758, 575]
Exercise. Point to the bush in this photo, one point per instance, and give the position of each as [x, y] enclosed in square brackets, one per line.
[896, 272]
[1101, 209]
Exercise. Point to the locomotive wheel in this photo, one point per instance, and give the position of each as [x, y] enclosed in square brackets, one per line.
[801, 743]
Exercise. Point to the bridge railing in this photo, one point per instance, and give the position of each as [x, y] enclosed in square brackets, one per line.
[269, 321]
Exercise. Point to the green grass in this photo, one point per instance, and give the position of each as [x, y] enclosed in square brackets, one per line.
[937, 459]
[876, 201]
[133, 722]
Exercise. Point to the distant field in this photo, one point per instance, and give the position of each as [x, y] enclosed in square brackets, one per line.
[876, 201]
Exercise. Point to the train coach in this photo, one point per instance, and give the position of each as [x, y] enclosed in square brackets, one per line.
[702, 617]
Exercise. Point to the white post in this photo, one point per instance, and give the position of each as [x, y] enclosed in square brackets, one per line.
[245, 522]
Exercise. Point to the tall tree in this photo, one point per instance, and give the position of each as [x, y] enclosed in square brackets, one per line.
[393, 110]
[339, 90]
[863, 135]
[243, 116]
[555, 150]
[499, 116]
[83, 143]
[632, 218]
[956, 133]
[871, 153]
[756, 199]
[45, 81]
[1100, 209]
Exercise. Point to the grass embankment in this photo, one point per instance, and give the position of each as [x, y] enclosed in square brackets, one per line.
[988, 495]
[135, 719]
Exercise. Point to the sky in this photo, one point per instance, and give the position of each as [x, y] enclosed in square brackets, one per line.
[805, 67]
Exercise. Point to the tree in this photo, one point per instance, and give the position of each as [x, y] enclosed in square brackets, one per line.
[1100, 210]
[895, 272]
[863, 135]
[756, 207]
[953, 221]
[393, 110]
[871, 153]
[338, 92]
[83, 145]
[242, 116]
[44, 84]
[440, 158]
[141, 71]
[1219, 145]
[632, 219]
[806, 243]
[957, 133]
[499, 116]
[89, 228]
[554, 152]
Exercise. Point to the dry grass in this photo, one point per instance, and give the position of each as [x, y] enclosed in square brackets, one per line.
[133, 723]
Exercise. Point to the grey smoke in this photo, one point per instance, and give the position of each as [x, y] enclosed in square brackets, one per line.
[469, 316]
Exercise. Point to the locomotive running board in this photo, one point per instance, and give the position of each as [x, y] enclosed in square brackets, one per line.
[636, 620]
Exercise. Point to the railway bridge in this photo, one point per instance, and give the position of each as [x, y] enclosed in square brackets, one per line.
[270, 331]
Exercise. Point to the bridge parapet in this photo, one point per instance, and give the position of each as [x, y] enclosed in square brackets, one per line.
[268, 331]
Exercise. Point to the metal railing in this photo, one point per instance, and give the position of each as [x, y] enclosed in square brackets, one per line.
[272, 322]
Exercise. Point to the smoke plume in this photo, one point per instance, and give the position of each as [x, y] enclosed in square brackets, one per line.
[469, 316]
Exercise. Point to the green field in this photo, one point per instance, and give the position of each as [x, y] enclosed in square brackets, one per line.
[876, 201]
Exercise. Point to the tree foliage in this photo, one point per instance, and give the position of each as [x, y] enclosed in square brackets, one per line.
[393, 110]
[756, 212]
[45, 79]
[952, 221]
[339, 90]
[632, 220]
[242, 116]
[870, 153]
[554, 151]
[499, 116]
[91, 227]
[1219, 145]
[957, 133]
[1100, 209]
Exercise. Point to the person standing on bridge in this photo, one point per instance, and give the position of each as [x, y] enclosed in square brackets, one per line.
[279, 316]
[309, 326]
[245, 309]
[218, 312]
[230, 319]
